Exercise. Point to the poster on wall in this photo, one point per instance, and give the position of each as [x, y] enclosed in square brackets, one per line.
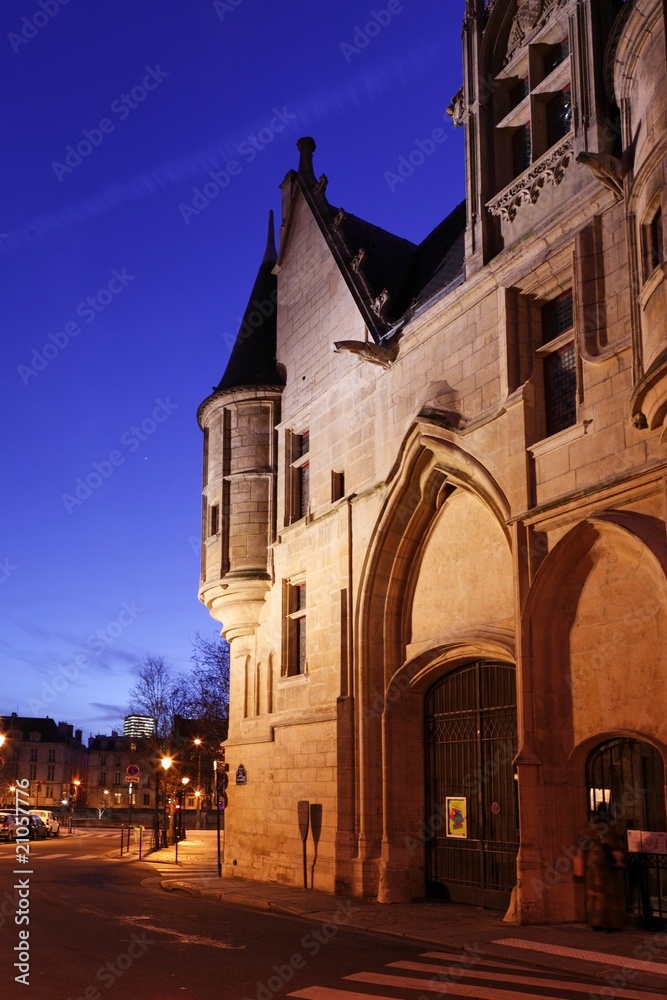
[457, 816]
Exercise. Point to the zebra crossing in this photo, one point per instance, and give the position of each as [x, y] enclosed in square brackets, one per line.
[167, 870]
[468, 976]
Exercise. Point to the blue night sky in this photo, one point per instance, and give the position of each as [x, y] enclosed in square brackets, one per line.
[120, 303]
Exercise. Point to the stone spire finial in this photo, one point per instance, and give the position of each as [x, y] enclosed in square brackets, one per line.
[306, 147]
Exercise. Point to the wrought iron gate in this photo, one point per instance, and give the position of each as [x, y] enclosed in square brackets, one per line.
[629, 777]
[471, 740]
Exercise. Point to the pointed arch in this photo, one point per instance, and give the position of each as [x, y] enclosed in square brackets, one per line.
[432, 465]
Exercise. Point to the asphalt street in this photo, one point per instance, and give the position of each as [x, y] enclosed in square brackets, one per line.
[101, 927]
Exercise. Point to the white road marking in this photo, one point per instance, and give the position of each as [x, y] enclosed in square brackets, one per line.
[601, 957]
[456, 973]
[429, 986]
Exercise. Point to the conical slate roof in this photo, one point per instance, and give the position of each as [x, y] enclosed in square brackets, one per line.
[253, 358]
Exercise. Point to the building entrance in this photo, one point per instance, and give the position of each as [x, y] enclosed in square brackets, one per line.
[628, 776]
[471, 796]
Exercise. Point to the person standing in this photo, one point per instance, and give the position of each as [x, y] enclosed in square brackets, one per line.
[602, 850]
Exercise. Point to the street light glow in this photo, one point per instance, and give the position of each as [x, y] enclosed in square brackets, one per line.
[166, 762]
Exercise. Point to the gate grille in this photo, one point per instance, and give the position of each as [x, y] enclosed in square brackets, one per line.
[470, 741]
[628, 776]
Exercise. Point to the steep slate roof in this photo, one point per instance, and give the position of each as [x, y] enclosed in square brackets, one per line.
[389, 277]
[253, 358]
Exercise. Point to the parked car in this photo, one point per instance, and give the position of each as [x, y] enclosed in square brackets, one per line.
[49, 819]
[37, 829]
[7, 826]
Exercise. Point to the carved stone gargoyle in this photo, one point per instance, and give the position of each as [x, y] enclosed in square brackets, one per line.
[377, 354]
[608, 169]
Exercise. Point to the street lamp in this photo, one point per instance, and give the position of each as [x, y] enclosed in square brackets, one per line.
[197, 743]
[72, 801]
[166, 763]
[181, 824]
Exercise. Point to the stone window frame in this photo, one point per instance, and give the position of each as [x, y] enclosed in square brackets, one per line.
[547, 350]
[337, 485]
[213, 527]
[295, 631]
[531, 111]
[297, 478]
[653, 238]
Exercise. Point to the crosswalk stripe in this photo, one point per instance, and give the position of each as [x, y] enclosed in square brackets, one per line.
[327, 993]
[519, 978]
[601, 957]
[460, 989]
[50, 857]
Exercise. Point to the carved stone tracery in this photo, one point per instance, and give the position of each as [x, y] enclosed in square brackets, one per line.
[527, 188]
[531, 16]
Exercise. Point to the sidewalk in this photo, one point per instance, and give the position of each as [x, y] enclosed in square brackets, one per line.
[633, 959]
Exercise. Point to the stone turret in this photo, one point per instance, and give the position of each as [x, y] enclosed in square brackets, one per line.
[238, 502]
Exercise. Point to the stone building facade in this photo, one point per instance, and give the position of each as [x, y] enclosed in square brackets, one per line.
[435, 496]
[50, 756]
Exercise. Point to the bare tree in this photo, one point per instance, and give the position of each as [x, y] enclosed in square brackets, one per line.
[159, 695]
[208, 682]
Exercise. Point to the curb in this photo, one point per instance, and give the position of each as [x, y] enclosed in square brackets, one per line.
[591, 971]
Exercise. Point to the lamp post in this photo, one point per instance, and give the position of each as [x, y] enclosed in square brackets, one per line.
[72, 801]
[197, 743]
[184, 782]
[166, 763]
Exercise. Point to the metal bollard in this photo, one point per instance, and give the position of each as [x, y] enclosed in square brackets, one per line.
[122, 833]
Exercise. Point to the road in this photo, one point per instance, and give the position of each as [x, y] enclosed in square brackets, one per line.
[101, 928]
